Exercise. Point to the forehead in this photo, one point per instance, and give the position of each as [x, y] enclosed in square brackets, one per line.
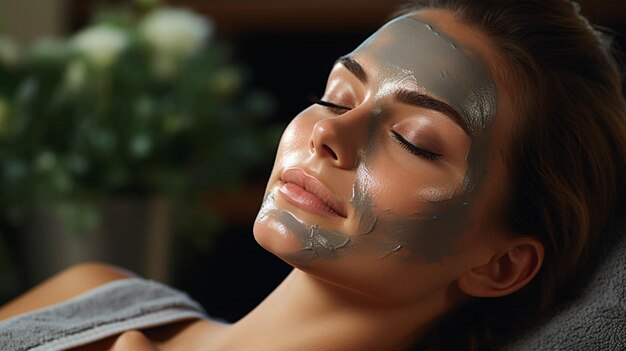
[410, 49]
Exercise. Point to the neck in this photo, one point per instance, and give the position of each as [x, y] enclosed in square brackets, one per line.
[304, 313]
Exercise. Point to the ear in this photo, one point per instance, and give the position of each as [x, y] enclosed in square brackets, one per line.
[507, 271]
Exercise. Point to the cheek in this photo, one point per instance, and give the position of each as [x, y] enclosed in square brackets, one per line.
[405, 185]
[419, 211]
[294, 143]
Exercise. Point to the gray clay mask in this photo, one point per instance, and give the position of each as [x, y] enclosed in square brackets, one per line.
[410, 54]
[407, 49]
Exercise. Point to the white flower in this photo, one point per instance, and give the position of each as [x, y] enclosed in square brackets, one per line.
[175, 32]
[101, 44]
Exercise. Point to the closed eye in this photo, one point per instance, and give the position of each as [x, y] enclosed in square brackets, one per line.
[417, 151]
[331, 106]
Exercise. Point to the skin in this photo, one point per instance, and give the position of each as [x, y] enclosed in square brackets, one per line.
[364, 287]
[405, 213]
[353, 298]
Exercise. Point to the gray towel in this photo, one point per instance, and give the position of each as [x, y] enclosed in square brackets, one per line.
[98, 313]
[596, 320]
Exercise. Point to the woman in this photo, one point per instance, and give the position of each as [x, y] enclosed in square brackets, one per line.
[460, 171]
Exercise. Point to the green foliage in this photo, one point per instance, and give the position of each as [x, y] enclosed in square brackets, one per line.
[134, 104]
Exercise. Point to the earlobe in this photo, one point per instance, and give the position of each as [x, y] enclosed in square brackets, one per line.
[506, 272]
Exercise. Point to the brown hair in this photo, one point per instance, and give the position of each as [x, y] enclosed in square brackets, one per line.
[566, 161]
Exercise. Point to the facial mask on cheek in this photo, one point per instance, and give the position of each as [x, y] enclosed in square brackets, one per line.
[314, 241]
[408, 52]
[428, 234]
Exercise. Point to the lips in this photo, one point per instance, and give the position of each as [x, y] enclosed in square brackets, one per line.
[309, 193]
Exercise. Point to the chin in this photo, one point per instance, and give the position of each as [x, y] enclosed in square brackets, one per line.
[274, 237]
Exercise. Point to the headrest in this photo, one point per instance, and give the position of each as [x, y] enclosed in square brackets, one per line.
[596, 319]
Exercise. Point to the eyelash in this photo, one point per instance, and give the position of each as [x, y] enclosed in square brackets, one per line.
[329, 105]
[429, 155]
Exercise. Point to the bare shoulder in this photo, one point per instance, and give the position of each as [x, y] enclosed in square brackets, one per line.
[64, 285]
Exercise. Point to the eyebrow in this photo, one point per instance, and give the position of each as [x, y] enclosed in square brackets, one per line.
[415, 98]
[409, 97]
[354, 67]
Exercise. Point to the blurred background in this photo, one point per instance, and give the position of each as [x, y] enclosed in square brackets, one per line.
[141, 133]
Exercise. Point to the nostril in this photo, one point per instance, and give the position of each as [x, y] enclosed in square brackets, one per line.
[330, 152]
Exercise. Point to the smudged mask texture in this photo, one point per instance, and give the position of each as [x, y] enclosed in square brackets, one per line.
[408, 51]
[411, 51]
[434, 61]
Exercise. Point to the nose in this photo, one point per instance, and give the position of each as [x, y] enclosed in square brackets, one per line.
[339, 139]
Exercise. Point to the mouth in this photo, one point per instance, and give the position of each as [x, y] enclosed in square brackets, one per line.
[308, 193]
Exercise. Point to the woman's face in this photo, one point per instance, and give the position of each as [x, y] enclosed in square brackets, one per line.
[387, 185]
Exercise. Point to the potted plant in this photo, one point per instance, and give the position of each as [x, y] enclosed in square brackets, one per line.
[137, 115]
